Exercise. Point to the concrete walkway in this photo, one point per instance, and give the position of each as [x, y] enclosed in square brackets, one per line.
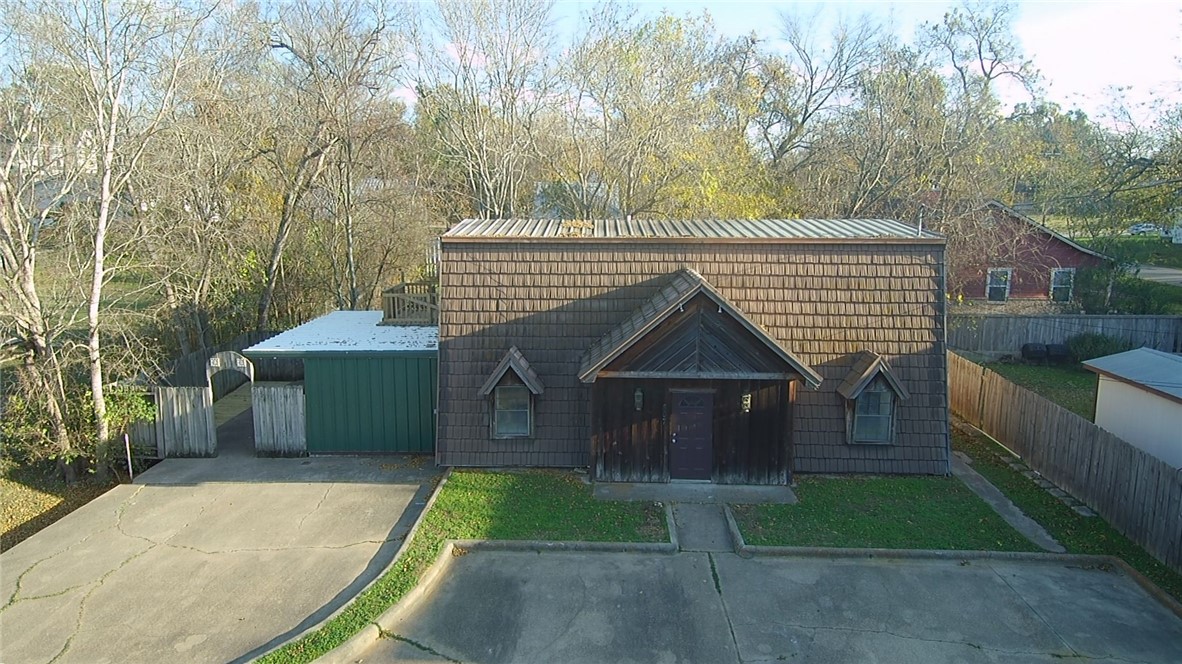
[717, 607]
[1029, 528]
[207, 560]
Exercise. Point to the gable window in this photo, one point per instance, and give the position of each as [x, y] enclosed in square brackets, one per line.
[874, 411]
[512, 414]
[511, 389]
[997, 287]
[1062, 284]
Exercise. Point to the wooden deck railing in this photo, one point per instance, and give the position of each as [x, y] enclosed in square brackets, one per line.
[413, 303]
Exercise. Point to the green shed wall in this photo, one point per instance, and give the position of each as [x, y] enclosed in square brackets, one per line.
[370, 404]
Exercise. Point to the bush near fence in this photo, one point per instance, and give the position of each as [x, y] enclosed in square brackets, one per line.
[1005, 334]
[1139, 494]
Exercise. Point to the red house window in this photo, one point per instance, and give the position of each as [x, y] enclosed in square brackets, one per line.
[997, 288]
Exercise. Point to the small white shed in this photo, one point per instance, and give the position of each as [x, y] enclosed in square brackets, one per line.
[1139, 398]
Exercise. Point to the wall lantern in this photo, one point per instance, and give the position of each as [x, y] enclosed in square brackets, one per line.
[638, 399]
[745, 403]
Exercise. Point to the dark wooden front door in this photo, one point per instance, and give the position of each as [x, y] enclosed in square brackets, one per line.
[691, 446]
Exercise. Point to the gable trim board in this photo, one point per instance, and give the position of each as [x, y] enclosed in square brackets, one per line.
[513, 361]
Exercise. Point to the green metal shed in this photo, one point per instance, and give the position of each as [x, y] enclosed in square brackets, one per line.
[368, 388]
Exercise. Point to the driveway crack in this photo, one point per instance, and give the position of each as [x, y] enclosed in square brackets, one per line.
[319, 504]
[730, 625]
[415, 644]
[1035, 611]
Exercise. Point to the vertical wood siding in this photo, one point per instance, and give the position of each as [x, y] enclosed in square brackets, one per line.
[822, 302]
[278, 419]
[1140, 495]
[371, 404]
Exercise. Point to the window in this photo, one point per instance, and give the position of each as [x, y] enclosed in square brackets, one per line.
[1062, 283]
[511, 413]
[997, 288]
[874, 414]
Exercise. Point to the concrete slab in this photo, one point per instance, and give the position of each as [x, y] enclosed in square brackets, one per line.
[206, 559]
[693, 607]
[702, 528]
[567, 607]
[695, 492]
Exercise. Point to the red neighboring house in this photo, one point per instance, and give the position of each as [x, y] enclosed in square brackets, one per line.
[1027, 261]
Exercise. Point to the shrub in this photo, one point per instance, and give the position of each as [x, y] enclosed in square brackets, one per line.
[1090, 346]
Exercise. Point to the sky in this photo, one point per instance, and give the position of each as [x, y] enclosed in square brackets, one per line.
[1081, 48]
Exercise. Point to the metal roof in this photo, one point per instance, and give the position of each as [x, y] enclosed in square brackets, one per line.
[348, 332]
[1152, 369]
[716, 229]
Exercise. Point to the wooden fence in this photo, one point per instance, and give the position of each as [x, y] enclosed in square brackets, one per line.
[183, 426]
[1139, 494]
[189, 370]
[279, 419]
[984, 333]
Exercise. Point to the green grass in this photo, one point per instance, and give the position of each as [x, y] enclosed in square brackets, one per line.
[33, 496]
[1070, 386]
[551, 505]
[1079, 534]
[881, 512]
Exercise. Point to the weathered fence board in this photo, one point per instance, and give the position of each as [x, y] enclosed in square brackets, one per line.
[985, 333]
[279, 419]
[184, 421]
[1139, 494]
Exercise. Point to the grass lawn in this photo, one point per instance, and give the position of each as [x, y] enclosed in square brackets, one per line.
[33, 497]
[1148, 250]
[1069, 385]
[551, 505]
[1091, 535]
[881, 512]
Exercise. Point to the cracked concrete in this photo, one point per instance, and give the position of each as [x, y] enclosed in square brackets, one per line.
[503, 606]
[196, 562]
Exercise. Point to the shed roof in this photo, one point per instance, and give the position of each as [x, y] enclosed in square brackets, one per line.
[682, 287]
[353, 332]
[1152, 370]
[691, 229]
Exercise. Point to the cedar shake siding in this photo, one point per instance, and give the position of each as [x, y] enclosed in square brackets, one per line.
[822, 301]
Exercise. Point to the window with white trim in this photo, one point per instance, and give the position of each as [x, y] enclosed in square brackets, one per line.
[512, 411]
[1062, 284]
[997, 285]
[874, 414]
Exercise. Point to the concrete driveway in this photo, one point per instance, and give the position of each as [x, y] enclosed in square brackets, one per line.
[696, 607]
[206, 560]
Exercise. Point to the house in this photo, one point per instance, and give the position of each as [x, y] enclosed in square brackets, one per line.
[368, 388]
[1016, 258]
[728, 351]
[1139, 398]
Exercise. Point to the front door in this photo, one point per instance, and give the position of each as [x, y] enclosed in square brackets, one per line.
[691, 446]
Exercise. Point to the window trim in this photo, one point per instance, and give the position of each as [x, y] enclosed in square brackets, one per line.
[529, 411]
[878, 386]
[1009, 272]
[1070, 287]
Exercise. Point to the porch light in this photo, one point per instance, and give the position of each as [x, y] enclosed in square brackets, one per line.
[745, 403]
[638, 399]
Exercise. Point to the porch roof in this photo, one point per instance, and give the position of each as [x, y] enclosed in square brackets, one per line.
[683, 287]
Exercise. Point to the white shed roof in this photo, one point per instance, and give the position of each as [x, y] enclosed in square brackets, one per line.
[349, 332]
[1151, 369]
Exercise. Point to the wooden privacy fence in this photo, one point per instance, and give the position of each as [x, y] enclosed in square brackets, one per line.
[183, 426]
[1139, 494]
[189, 370]
[279, 419]
[984, 333]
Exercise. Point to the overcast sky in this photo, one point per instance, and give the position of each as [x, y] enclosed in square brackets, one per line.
[1081, 48]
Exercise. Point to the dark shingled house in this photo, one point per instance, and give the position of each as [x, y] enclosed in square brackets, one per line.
[732, 351]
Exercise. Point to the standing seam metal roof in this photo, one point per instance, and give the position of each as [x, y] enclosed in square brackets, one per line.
[753, 229]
